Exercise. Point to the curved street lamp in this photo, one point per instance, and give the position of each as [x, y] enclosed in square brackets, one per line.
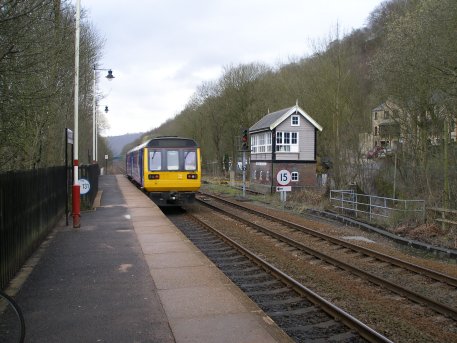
[110, 77]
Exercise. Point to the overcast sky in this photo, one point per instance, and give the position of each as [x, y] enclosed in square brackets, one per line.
[161, 50]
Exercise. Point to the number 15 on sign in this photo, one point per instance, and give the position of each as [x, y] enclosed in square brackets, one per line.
[283, 177]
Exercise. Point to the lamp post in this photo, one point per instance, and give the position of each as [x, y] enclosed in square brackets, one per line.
[75, 188]
[110, 77]
[96, 133]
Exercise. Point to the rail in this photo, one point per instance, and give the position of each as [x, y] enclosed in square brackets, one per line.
[372, 206]
[356, 248]
[380, 281]
[331, 309]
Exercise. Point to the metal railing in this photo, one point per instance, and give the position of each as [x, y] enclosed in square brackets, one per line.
[31, 203]
[374, 207]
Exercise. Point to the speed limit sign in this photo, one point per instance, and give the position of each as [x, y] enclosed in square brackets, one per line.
[283, 177]
[84, 186]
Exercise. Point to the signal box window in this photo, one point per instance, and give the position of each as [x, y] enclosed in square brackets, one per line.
[295, 121]
[287, 141]
[294, 176]
[190, 160]
[155, 160]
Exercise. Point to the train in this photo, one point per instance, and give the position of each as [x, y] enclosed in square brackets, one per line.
[167, 168]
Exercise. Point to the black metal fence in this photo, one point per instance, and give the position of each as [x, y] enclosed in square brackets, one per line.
[90, 173]
[31, 203]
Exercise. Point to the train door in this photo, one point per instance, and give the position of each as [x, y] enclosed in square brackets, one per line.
[130, 165]
[141, 166]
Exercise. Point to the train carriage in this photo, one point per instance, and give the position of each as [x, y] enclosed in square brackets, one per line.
[168, 169]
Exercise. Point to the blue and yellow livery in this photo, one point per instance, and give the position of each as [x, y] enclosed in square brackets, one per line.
[168, 169]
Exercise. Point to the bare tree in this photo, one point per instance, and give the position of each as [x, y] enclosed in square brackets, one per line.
[416, 67]
[36, 81]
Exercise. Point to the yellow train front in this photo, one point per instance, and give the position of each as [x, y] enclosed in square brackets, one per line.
[168, 169]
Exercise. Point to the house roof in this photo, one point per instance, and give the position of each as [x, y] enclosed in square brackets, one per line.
[272, 120]
[379, 108]
[385, 105]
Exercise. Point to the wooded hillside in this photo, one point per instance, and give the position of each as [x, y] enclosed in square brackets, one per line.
[406, 54]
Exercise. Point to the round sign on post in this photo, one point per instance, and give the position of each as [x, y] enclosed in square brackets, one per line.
[283, 177]
[84, 186]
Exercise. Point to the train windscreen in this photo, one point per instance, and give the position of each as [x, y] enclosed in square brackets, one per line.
[172, 159]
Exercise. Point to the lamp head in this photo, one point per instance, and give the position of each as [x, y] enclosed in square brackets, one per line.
[110, 75]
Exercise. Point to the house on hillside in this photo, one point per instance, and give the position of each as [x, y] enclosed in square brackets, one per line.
[284, 140]
[385, 126]
[387, 134]
[385, 131]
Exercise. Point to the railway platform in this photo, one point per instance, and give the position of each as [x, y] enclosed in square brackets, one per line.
[129, 275]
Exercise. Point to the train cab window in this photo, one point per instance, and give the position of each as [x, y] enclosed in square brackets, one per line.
[172, 160]
[155, 160]
[190, 160]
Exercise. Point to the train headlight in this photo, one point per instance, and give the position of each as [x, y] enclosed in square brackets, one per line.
[154, 176]
[192, 176]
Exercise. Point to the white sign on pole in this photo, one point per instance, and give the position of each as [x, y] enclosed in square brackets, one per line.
[283, 177]
[283, 188]
[69, 136]
[106, 157]
[84, 186]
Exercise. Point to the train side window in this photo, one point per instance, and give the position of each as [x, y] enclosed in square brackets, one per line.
[155, 160]
[190, 160]
[172, 160]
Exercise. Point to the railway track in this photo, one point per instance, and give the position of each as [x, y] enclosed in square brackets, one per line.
[401, 318]
[435, 288]
[301, 313]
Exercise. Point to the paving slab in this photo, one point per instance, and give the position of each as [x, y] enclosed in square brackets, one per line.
[202, 304]
[129, 275]
[93, 284]
[172, 278]
[222, 329]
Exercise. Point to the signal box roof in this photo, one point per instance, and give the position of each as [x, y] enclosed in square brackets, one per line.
[272, 120]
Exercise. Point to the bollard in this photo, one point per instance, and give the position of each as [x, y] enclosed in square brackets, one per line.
[76, 206]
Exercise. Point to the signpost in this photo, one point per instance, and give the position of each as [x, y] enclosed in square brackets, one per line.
[68, 140]
[283, 177]
[244, 148]
[244, 174]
